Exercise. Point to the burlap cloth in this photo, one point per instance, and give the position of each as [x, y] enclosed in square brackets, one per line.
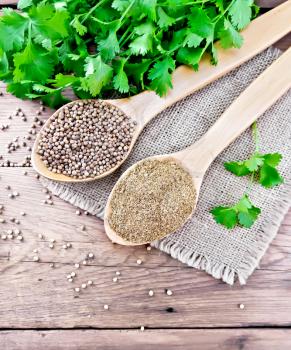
[202, 243]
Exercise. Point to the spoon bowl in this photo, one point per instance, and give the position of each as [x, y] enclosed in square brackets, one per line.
[143, 107]
[196, 159]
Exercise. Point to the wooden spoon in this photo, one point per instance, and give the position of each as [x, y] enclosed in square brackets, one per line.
[252, 103]
[260, 34]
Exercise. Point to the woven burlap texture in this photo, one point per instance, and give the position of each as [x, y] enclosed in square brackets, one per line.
[202, 243]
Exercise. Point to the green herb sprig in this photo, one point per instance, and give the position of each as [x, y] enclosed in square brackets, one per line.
[101, 47]
[261, 168]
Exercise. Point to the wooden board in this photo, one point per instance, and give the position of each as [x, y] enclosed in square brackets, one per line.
[165, 339]
[39, 308]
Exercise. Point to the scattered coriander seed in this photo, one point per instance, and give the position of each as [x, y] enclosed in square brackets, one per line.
[115, 279]
[103, 143]
[169, 292]
[1, 207]
[142, 328]
[17, 221]
[52, 240]
[4, 237]
[241, 306]
[84, 262]
[68, 276]
[40, 235]
[83, 228]
[2, 221]
[149, 248]
[90, 283]
[70, 280]
[36, 258]
[9, 232]
[10, 236]
[91, 255]
[77, 289]
[20, 238]
[118, 273]
[17, 231]
[73, 274]
[106, 307]
[51, 245]
[77, 266]
[35, 250]
[69, 245]
[22, 213]
[52, 265]
[8, 187]
[65, 246]
[151, 293]
[84, 285]
[139, 261]
[78, 212]
[15, 193]
[86, 213]
[10, 195]
[25, 173]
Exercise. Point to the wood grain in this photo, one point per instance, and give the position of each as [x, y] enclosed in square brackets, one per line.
[165, 339]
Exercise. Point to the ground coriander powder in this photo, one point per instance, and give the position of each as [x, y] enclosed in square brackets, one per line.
[154, 199]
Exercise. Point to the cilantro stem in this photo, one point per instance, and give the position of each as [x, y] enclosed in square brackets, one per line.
[120, 41]
[256, 136]
[92, 10]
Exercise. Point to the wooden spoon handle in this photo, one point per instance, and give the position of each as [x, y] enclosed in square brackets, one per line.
[252, 103]
[260, 34]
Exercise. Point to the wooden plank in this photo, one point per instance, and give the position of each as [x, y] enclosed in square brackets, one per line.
[33, 295]
[229, 339]
[58, 227]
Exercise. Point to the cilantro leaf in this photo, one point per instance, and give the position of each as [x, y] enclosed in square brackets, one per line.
[144, 42]
[264, 166]
[229, 36]
[98, 74]
[201, 24]
[192, 40]
[109, 46]
[164, 20]
[241, 13]
[160, 75]
[237, 168]
[190, 56]
[12, 30]
[80, 28]
[22, 4]
[243, 213]
[120, 81]
[36, 57]
[225, 216]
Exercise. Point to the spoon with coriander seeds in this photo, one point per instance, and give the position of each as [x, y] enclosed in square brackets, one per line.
[89, 139]
[157, 195]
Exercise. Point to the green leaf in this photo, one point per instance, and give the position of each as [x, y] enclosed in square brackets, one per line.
[161, 75]
[164, 20]
[36, 57]
[55, 99]
[22, 4]
[120, 81]
[201, 24]
[19, 90]
[109, 46]
[243, 213]
[190, 56]
[149, 8]
[144, 42]
[241, 13]
[269, 176]
[62, 81]
[80, 28]
[12, 30]
[121, 5]
[4, 64]
[229, 36]
[254, 162]
[226, 216]
[98, 74]
[137, 70]
[272, 159]
[192, 40]
[237, 168]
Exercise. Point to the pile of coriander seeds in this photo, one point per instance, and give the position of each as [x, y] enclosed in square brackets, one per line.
[86, 139]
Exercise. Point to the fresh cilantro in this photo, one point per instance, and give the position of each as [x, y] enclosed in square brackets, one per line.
[118, 45]
[259, 166]
[243, 213]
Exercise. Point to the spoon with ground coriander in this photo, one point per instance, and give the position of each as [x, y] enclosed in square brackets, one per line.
[157, 195]
[87, 140]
